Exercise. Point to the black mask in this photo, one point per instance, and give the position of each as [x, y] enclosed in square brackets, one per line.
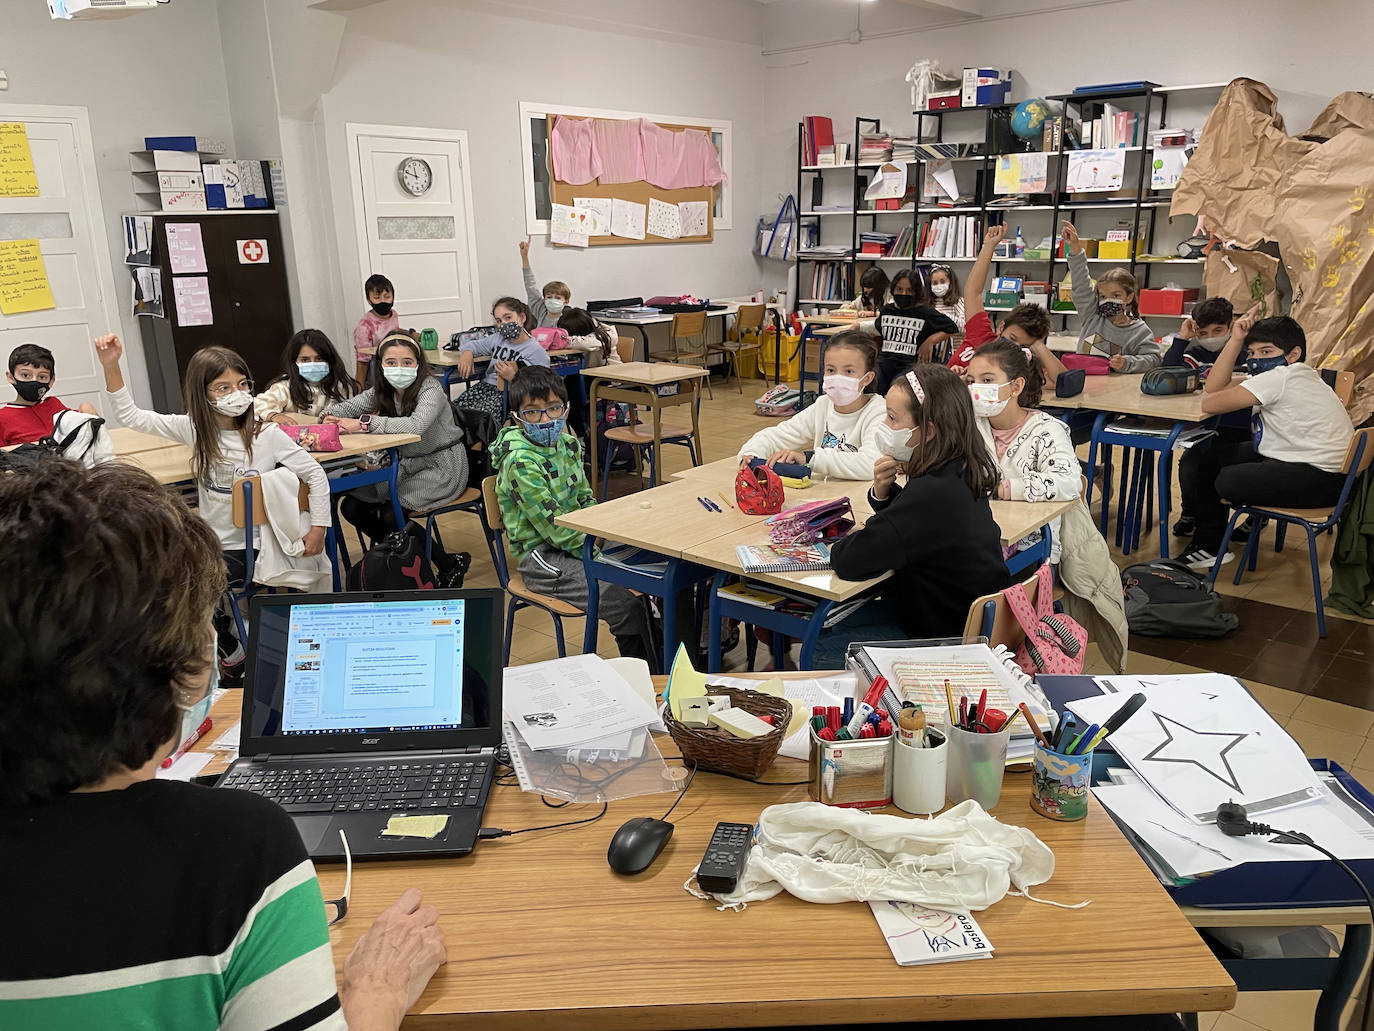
[383, 309]
[904, 300]
[509, 330]
[31, 390]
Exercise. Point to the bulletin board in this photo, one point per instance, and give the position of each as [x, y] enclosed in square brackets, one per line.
[637, 192]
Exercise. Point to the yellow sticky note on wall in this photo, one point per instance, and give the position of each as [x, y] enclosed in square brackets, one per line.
[23, 278]
[17, 175]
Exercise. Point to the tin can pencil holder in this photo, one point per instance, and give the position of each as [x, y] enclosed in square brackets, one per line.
[851, 773]
[918, 775]
[976, 764]
[1060, 783]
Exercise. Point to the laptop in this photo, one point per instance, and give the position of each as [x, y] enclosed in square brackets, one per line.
[365, 706]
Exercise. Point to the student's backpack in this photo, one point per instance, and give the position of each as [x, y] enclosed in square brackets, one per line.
[479, 430]
[397, 563]
[82, 437]
[1167, 599]
[1055, 643]
[29, 456]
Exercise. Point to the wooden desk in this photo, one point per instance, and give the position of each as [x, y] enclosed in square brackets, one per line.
[128, 442]
[637, 384]
[172, 464]
[542, 935]
[1120, 392]
[638, 322]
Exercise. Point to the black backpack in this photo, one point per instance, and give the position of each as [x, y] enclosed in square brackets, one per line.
[479, 430]
[397, 563]
[29, 456]
[1167, 599]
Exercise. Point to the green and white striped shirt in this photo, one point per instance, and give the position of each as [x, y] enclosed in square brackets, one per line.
[162, 905]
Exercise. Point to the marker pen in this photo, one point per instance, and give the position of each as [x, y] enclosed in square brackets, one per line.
[868, 705]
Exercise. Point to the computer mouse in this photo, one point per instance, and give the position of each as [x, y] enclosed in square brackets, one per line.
[637, 844]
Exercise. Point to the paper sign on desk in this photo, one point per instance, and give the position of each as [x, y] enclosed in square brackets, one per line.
[568, 226]
[192, 295]
[665, 221]
[17, 175]
[627, 219]
[693, 213]
[598, 211]
[23, 278]
[185, 249]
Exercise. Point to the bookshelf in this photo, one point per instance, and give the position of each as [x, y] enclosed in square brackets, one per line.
[964, 125]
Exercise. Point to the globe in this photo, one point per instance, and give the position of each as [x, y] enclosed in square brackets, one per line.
[1028, 120]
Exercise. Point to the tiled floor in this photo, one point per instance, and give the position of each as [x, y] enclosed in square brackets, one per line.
[1320, 690]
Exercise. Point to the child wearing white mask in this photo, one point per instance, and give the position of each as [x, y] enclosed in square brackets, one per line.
[403, 398]
[936, 534]
[1034, 455]
[835, 435]
[226, 439]
[547, 302]
[1204, 333]
[946, 298]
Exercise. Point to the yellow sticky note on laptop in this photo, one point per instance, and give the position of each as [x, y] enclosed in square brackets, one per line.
[415, 826]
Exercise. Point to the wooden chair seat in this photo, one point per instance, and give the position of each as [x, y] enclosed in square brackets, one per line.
[643, 433]
[1309, 515]
[516, 586]
[466, 498]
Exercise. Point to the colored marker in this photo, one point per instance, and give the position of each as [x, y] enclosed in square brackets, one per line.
[982, 704]
[847, 713]
[868, 706]
[1116, 719]
[186, 745]
[1087, 735]
[1097, 740]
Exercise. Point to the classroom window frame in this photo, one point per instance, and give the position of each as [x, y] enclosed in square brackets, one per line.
[722, 132]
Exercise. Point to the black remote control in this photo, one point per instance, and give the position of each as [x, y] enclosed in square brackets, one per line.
[725, 856]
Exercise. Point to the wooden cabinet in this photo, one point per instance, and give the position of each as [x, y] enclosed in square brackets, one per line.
[250, 308]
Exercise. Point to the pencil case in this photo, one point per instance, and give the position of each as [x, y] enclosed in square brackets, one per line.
[789, 469]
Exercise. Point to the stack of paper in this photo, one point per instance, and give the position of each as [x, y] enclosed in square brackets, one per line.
[917, 935]
[1200, 740]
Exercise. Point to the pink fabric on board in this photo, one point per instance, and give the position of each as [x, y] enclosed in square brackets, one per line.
[673, 160]
[620, 150]
[575, 159]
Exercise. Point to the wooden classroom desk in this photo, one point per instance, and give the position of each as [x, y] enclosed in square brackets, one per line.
[172, 464]
[636, 384]
[638, 322]
[128, 442]
[542, 935]
[1120, 392]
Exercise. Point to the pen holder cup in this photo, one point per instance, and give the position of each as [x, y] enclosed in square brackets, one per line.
[976, 764]
[851, 773]
[1059, 784]
[918, 775]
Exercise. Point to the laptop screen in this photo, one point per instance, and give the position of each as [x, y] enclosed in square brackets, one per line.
[374, 672]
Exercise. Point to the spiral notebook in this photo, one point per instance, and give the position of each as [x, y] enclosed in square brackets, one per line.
[783, 558]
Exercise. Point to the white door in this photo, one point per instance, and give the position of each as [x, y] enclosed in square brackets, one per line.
[66, 219]
[414, 203]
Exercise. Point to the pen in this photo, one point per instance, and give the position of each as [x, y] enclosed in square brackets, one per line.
[714, 506]
[186, 745]
[704, 503]
[1116, 719]
[847, 713]
[1087, 735]
[1034, 726]
[725, 499]
[1097, 740]
[982, 704]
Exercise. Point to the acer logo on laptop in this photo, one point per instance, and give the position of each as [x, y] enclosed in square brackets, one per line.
[372, 740]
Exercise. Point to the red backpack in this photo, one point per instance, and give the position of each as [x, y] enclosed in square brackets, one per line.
[1055, 643]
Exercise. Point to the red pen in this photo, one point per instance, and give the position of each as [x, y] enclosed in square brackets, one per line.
[868, 706]
[982, 704]
[186, 745]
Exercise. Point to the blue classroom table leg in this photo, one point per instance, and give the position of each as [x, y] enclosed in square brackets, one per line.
[806, 628]
[387, 474]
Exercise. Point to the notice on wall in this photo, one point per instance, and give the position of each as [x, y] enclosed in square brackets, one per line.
[192, 295]
[185, 248]
[17, 175]
[23, 278]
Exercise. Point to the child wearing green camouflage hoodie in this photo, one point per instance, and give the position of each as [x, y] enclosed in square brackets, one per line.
[539, 477]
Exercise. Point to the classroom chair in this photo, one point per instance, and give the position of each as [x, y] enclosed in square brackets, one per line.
[748, 319]
[687, 342]
[249, 511]
[520, 596]
[639, 437]
[1313, 520]
[469, 501]
[625, 348]
[990, 616]
[1344, 387]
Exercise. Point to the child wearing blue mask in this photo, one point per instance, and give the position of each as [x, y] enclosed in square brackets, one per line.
[1300, 431]
[509, 348]
[403, 398]
[315, 378]
[539, 476]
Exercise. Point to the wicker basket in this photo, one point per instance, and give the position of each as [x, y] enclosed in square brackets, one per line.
[719, 751]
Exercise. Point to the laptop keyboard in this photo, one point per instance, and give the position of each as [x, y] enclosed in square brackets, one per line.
[356, 788]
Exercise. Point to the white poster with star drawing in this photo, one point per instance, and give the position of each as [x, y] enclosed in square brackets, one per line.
[1201, 740]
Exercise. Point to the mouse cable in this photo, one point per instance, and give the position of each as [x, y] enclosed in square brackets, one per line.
[497, 832]
[690, 777]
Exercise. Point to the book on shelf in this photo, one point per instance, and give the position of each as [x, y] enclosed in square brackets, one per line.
[748, 594]
[917, 935]
[936, 151]
[950, 236]
[875, 146]
[783, 558]
[818, 133]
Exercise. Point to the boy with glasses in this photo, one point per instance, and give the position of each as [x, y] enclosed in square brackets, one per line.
[539, 476]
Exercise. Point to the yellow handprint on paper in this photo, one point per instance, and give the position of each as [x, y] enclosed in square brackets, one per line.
[1339, 234]
[1309, 255]
[1331, 276]
[1358, 197]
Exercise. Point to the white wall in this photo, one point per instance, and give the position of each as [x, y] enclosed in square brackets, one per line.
[1307, 55]
[451, 66]
[155, 73]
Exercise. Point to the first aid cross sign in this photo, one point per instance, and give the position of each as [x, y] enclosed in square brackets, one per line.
[252, 252]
